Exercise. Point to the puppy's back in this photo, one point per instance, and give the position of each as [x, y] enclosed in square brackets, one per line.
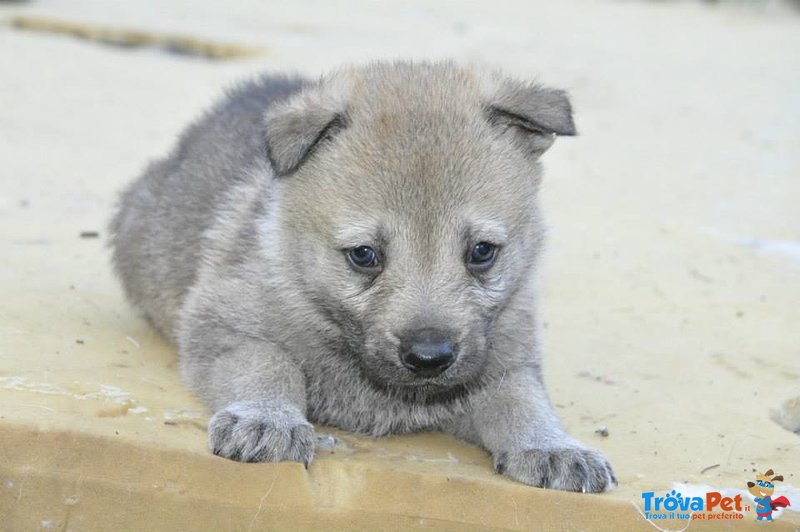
[158, 228]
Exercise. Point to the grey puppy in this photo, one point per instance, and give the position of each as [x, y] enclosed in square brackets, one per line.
[359, 251]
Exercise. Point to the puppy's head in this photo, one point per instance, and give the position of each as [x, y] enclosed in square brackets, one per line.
[407, 210]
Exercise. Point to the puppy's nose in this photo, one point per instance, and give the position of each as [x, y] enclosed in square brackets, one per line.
[427, 352]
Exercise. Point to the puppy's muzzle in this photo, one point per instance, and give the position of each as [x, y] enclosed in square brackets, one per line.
[427, 352]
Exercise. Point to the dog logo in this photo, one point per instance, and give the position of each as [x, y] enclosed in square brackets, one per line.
[762, 490]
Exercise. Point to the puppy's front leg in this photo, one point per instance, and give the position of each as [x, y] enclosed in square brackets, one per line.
[515, 422]
[257, 394]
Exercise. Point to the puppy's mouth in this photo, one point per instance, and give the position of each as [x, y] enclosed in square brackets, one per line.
[400, 375]
[431, 382]
[436, 390]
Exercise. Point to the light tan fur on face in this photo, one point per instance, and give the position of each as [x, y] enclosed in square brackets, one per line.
[419, 172]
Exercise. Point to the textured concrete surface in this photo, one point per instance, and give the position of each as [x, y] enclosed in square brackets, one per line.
[670, 292]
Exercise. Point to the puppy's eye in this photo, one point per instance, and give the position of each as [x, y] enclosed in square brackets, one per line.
[363, 257]
[481, 256]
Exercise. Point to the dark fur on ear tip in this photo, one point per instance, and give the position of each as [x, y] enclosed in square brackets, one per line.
[554, 110]
[549, 110]
[564, 126]
[287, 155]
[294, 129]
[498, 114]
[536, 114]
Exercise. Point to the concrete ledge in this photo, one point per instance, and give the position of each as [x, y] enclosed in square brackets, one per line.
[74, 481]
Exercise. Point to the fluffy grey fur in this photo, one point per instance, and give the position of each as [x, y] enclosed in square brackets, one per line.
[236, 248]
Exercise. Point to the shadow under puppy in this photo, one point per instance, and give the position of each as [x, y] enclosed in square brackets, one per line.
[359, 251]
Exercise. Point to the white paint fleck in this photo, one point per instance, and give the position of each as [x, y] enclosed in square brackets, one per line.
[134, 342]
[138, 410]
[24, 384]
[181, 415]
[46, 524]
[112, 392]
[106, 391]
[449, 460]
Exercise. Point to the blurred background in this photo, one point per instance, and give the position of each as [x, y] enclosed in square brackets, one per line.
[671, 283]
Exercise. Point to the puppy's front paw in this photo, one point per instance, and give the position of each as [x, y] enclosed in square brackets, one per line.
[259, 431]
[570, 468]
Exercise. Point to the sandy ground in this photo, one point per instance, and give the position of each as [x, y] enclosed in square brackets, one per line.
[671, 286]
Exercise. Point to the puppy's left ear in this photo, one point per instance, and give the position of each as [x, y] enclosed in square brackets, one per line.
[298, 127]
[536, 115]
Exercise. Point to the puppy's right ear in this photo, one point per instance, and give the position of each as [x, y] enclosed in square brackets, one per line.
[536, 114]
[297, 127]
[751, 484]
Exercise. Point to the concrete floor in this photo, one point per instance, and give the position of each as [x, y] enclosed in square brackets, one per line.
[671, 284]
